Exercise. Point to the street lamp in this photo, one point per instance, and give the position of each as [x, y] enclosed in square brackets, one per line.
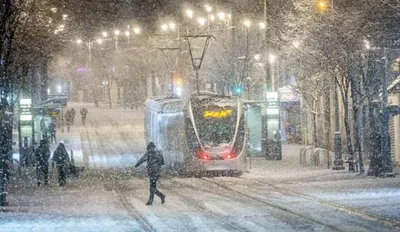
[99, 41]
[136, 30]
[296, 44]
[208, 8]
[212, 18]
[262, 25]
[78, 41]
[164, 27]
[116, 33]
[247, 23]
[127, 33]
[189, 13]
[172, 26]
[105, 34]
[322, 5]
[201, 21]
[221, 15]
[271, 58]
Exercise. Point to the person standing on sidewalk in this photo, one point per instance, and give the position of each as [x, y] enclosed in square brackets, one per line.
[83, 114]
[61, 159]
[53, 131]
[154, 160]
[72, 112]
[42, 163]
[68, 119]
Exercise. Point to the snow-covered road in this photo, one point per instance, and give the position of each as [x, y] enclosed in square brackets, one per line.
[273, 196]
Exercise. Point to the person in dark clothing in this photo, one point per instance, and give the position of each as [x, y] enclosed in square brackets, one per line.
[68, 119]
[53, 131]
[42, 162]
[72, 112]
[84, 112]
[154, 159]
[61, 159]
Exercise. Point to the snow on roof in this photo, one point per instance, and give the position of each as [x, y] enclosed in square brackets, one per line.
[164, 104]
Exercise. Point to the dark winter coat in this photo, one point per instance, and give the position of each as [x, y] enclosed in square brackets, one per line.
[60, 156]
[84, 112]
[154, 159]
[52, 128]
[42, 155]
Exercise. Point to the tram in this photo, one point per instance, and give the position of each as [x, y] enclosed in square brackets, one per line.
[201, 133]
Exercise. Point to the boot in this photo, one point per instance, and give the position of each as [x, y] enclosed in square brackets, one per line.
[163, 199]
[149, 203]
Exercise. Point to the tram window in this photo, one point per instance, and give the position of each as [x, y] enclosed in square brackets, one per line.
[240, 136]
[191, 135]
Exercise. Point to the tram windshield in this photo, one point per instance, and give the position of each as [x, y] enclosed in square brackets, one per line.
[215, 120]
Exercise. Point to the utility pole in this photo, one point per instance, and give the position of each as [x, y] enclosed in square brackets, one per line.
[264, 118]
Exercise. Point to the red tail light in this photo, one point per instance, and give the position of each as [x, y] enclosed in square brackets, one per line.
[203, 155]
[231, 155]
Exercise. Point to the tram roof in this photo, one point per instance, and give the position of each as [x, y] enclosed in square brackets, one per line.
[164, 104]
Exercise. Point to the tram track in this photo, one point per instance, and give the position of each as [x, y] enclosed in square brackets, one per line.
[260, 201]
[123, 199]
[230, 226]
[370, 217]
[276, 206]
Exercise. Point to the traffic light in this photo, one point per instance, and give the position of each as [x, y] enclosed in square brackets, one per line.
[237, 90]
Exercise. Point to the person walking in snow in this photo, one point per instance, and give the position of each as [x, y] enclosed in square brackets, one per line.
[61, 159]
[154, 159]
[68, 119]
[84, 112]
[72, 112]
[53, 131]
[42, 163]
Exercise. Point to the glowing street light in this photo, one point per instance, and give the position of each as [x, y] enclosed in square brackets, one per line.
[262, 25]
[78, 41]
[247, 23]
[53, 9]
[322, 5]
[201, 21]
[271, 58]
[189, 13]
[257, 57]
[164, 27]
[212, 18]
[221, 15]
[64, 16]
[367, 44]
[116, 32]
[136, 30]
[172, 25]
[208, 8]
[105, 34]
[99, 41]
[127, 33]
[296, 44]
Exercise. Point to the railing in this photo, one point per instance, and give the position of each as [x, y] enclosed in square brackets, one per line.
[313, 156]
